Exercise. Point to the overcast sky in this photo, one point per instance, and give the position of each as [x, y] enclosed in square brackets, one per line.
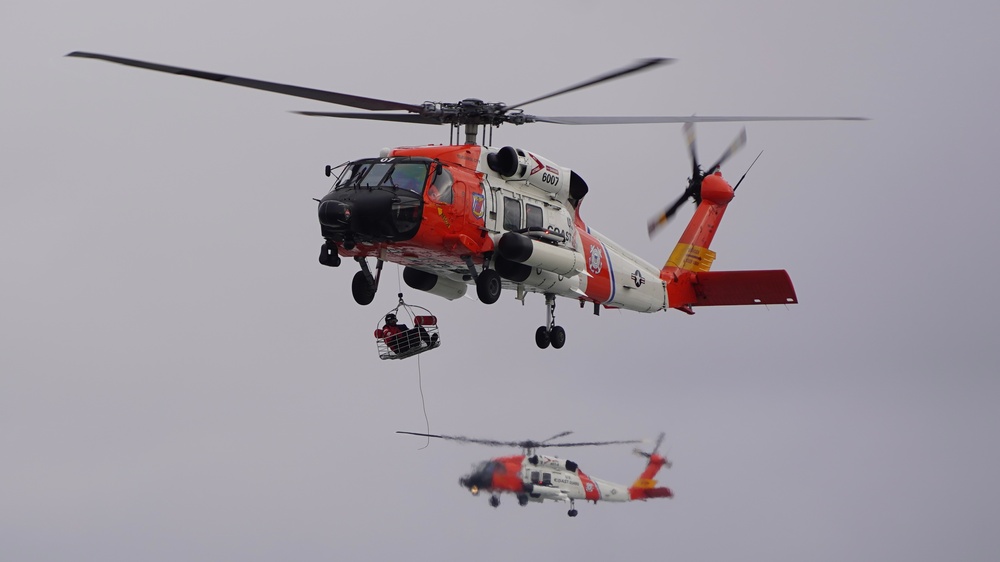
[181, 380]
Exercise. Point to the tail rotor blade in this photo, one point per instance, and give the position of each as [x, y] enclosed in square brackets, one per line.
[737, 144]
[659, 441]
[655, 223]
[692, 148]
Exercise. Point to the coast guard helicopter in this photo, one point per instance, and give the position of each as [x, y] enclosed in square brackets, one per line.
[535, 478]
[506, 218]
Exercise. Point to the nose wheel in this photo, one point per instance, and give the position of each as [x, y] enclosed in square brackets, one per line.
[494, 501]
[550, 334]
[364, 285]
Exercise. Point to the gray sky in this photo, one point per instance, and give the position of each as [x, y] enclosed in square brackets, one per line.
[181, 380]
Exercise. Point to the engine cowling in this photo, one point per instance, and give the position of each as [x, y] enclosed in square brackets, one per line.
[515, 164]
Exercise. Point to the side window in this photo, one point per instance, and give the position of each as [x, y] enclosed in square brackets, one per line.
[440, 191]
[535, 477]
[533, 215]
[546, 479]
[511, 214]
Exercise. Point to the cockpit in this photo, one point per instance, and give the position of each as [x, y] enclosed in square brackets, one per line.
[481, 477]
[376, 199]
[394, 173]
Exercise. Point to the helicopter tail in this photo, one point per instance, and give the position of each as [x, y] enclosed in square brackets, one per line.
[644, 486]
[689, 281]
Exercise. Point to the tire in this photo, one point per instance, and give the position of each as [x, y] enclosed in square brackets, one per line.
[363, 292]
[488, 286]
[542, 337]
[558, 337]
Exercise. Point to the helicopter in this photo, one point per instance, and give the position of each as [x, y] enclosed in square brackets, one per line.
[505, 218]
[532, 477]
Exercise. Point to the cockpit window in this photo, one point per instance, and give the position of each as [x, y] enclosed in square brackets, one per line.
[440, 189]
[375, 175]
[409, 176]
[353, 173]
[401, 174]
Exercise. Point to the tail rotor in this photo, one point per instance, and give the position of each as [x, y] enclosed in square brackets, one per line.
[693, 189]
[656, 449]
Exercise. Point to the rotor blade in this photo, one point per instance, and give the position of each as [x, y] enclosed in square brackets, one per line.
[557, 436]
[590, 443]
[398, 117]
[490, 442]
[692, 149]
[649, 119]
[371, 104]
[637, 66]
[659, 441]
[739, 142]
[655, 223]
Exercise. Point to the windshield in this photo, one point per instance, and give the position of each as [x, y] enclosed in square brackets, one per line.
[402, 174]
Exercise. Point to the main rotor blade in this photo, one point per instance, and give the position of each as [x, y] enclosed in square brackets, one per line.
[590, 443]
[739, 142]
[398, 117]
[490, 442]
[349, 100]
[637, 66]
[557, 436]
[649, 119]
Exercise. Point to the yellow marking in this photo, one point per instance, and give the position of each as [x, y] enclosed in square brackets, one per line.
[691, 258]
[644, 483]
[447, 223]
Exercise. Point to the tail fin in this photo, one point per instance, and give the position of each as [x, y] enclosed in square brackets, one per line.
[689, 281]
[644, 487]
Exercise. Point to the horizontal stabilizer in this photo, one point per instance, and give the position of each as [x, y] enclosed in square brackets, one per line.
[721, 288]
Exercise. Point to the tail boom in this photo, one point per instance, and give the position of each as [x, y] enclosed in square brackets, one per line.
[686, 273]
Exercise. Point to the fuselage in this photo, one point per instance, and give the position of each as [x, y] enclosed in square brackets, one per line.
[539, 478]
[438, 209]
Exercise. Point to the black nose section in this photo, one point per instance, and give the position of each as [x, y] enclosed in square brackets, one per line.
[334, 213]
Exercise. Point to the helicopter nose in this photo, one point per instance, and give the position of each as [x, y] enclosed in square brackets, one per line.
[334, 213]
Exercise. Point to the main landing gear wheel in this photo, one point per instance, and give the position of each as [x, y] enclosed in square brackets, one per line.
[550, 333]
[572, 509]
[558, 337]
[494, 501]
[542, 339]
[362, 290]
[488, 286]
[572, 513]
[522, 499]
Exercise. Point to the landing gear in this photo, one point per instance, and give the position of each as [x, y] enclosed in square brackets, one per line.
[495, 501]
[572, 509]
[328, 255]
[488, 281]
[364, 285]
[550, 333]
[522, 499]
[488, 286]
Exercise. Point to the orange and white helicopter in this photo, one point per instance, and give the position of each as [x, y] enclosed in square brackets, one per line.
[535, 478]
[506, 218]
